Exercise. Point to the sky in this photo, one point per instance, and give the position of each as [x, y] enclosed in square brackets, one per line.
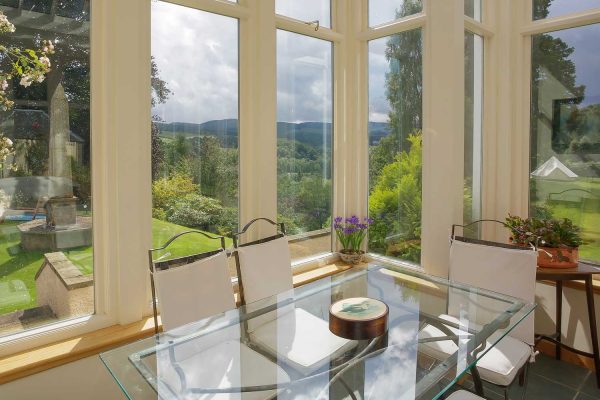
[185, 40]
[197, 55]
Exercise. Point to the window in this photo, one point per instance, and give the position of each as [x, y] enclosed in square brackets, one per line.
[547, 9]
[473, 9]
[565, 131]
[46, 257]
[194, 125]
[395, 142]
[381, 10]
[306, 10]
[304, 137]
[473, 127]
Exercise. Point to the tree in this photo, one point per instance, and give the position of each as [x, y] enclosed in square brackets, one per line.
[160, 94]
[404, 88]
[395, 204]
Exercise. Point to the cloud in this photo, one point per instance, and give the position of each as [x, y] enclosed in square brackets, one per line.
[197, 55]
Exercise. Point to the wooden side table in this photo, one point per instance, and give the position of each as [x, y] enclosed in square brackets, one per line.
[584, 272]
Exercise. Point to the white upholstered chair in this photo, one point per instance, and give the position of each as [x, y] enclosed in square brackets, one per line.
[463, 395]
[500, 268]
[192, 288]
[292, 334]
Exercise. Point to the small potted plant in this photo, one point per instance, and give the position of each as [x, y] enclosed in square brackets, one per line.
[351, 232]
[557, 241]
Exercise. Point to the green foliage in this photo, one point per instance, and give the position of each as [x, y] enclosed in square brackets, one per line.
[159, 213]
[544, 232]
[395, 204]
[195, 211]
[166, 191]
[227, 222]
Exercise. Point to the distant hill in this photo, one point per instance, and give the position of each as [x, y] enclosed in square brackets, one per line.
[310, 133]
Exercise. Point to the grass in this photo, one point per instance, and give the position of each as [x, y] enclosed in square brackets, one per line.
[17, 264]
[583, 208]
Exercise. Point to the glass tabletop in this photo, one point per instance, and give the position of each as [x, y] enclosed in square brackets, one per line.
[282, 347]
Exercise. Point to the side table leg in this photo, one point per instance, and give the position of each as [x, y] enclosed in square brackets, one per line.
[559, 291]
[589, 289]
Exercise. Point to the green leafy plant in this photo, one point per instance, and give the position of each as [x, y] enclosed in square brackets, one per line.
[351, 231]
[545, 232]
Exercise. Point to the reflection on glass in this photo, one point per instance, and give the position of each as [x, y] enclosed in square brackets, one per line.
[546, 9]
[473, 127]
[306, 10]
[45, 180]
[194, 126]
[395, 142]
[565, 131]
[304, 112]
[382, 11]
[473, 9]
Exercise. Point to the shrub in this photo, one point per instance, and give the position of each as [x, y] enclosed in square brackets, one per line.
[227, 222]
[167, 191]
[195, 211]
[159, 213]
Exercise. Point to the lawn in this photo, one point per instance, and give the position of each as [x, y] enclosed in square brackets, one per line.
[19, 265]
[581, 204]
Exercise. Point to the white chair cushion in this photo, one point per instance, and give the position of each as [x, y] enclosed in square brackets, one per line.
[266, 269]
[194, 291]
[219, 367]
[463, 395]
[499, 365]
[300, 339]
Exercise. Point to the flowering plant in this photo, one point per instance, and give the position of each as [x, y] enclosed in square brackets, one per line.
[351, 231]
[544, 232]
[28, 65]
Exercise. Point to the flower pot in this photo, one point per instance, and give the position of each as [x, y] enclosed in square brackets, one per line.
[558, 257]
[352, 257]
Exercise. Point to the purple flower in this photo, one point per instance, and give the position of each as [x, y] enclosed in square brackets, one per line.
[337, 220]
[362, 226]
[353, 220]
[337, 226]
[368, 220]
[349, 230]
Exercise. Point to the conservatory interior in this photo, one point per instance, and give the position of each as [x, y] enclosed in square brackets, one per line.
[299, 199]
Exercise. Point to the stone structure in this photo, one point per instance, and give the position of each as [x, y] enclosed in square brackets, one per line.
[36, 235]
[61, 286]
[61, 212]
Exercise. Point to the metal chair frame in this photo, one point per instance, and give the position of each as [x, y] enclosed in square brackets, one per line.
[236, 244]
[523, 374]
[176, 262]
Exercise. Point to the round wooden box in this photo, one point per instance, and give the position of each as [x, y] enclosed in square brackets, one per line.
[358, 318]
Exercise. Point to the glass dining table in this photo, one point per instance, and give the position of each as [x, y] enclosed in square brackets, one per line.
[225, 357]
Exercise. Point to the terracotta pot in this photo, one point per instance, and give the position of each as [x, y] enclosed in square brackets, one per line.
[352, 257]
[558, 257]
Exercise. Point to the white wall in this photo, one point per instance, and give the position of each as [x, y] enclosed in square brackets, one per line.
[84, 379]
[575, 324]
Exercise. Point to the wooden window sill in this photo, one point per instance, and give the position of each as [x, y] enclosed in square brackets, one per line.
[43, 358]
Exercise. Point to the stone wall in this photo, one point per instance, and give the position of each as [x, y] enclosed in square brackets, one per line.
[63, 287]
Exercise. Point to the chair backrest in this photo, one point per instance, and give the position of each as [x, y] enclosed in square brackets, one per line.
[509, 271]
[263, 266]
[192, 287]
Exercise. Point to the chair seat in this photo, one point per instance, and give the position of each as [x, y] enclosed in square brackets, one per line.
[300, 339]
[218, 367]
[463, 395]
[499, 365]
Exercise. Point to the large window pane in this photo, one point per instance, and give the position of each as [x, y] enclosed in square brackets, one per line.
[382, 11]
[565, 131]
[194, 125]
[46, 259]
[555, 8]
[304, 112]
[395, 142]
[306, 10]
[473, 128]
